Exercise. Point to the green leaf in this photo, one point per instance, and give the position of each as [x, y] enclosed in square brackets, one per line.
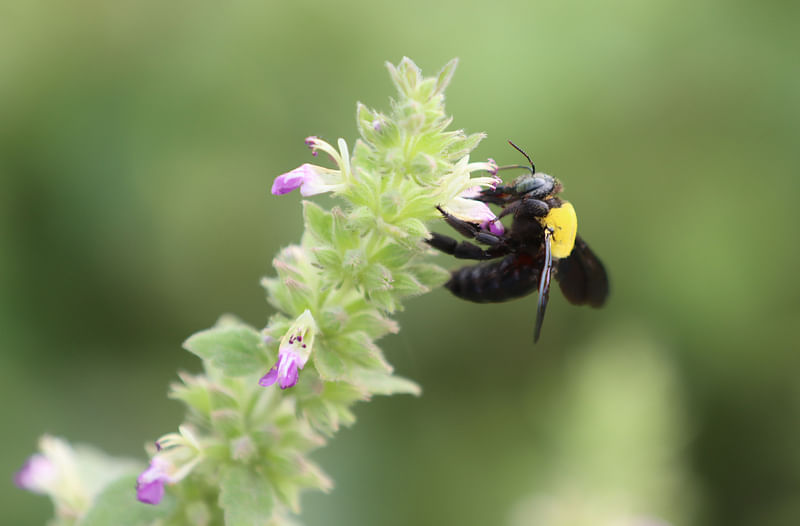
[376, 277]
[281, 296]
[430, 275]
[227, 422]
[354, 261]
[365, 119]
[246, 497]
[392, 255]
[357, 348]
[225, 414]
[193, 392]
[414, 228]
[372, 323]
[330, 409]
[235, 350]
[362, 219]
[462, 146]
[329, 364]
[342, 236]
[410, 73]
[446, 75]
[321, 416]
[318, 221]
[384, 300]
[406, 284]
[117, 505]
[328, 258]
[384, 384]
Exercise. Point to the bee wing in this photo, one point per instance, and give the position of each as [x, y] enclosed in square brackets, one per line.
[544, 287]
[582, 277]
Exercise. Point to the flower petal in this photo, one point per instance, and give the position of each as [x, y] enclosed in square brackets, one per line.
[269, 378]
[297, 178]
[150, 483]
[35, 475]
[495, 227]
[290, 375]
[150, 492]
[469, 210]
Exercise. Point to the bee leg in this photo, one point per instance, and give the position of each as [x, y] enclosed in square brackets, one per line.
[510, 209]
[465, 249]
[465, 228]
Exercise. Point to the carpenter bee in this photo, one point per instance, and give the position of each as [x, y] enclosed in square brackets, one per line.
[541, 242]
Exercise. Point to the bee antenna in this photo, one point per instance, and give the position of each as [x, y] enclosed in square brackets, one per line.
[533, 168]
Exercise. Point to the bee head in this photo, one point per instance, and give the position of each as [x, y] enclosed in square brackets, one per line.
[536, 186]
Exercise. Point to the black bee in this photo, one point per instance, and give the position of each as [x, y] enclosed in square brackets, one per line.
[542, 241]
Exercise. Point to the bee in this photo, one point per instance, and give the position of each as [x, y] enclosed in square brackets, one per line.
[543, 241]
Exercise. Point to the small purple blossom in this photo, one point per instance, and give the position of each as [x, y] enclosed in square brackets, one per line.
[35, 475]
[176, 456]
[285, 371]
[310, 179]
[293, 353]
[150, 484]
[298, 178]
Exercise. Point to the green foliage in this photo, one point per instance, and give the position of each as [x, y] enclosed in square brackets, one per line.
[245, 495]
[117, 505]
[237, 351]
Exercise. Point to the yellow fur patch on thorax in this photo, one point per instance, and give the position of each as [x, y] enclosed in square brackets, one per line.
[564, 223]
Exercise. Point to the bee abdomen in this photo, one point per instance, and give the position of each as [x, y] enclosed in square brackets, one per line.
[493, 282]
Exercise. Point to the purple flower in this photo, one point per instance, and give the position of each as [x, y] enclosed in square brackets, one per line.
[150, 484]
[177, 455]
[310, 179]
[284, 371]
[297, 178]
[36, 474]
[293, 353]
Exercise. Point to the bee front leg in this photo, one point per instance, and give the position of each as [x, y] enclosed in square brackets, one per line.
[467, 250]
[465, 228]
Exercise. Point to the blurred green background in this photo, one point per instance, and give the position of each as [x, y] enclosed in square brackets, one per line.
[138, 141]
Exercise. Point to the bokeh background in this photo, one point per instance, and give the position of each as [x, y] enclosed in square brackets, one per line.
[138, 141]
